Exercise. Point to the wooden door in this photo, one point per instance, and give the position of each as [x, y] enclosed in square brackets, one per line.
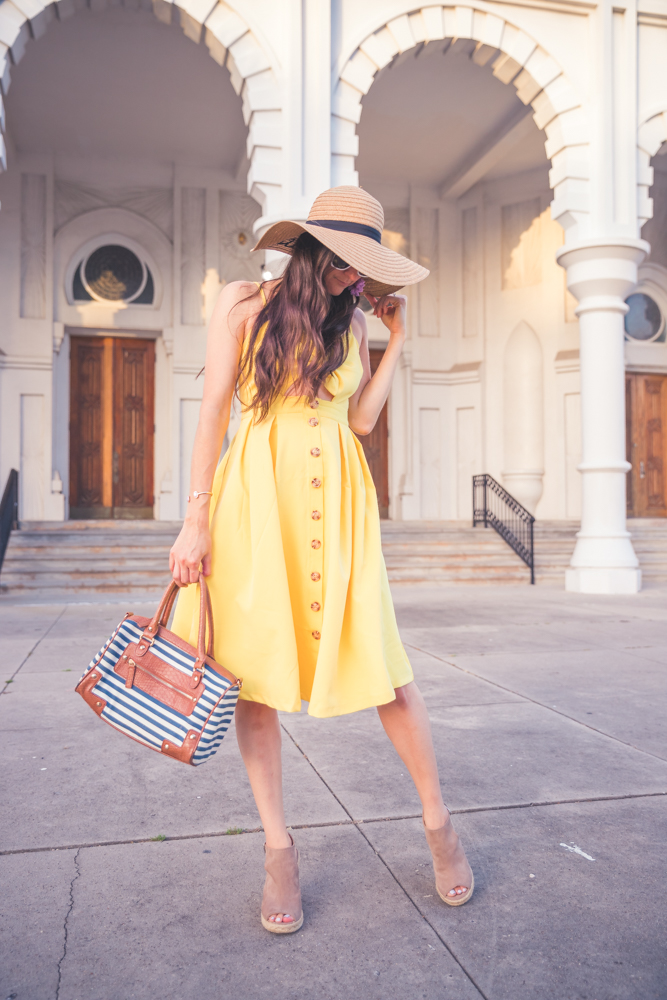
[90, 425]
[132, 460]
[376, 449]
[111, 427]
[646, 436]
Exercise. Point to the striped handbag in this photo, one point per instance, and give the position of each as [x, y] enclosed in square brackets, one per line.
[160, 691]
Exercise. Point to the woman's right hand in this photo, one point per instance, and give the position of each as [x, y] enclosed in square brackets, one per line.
[190, 551]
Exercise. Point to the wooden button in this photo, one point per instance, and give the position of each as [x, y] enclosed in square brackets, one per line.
[313, 421]
[315, 452]
[315, 576]
[316, 543]
[316, 483]
[314, 606]
[316, 515]
[316, 635]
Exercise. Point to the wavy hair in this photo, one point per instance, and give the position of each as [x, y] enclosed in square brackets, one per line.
[307, 331]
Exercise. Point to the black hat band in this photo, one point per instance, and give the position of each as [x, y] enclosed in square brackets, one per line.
[358, 228]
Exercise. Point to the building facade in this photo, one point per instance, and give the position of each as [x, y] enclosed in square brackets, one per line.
[516, 148]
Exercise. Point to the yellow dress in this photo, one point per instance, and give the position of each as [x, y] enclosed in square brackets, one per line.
[300, 594]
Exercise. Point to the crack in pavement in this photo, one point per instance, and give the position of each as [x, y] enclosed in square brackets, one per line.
[534, 701]
[464, 810]
[28, 655]
[77, 873]
[398, 882]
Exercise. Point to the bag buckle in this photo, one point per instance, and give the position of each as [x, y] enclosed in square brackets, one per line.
[199, 668]
[145, 642]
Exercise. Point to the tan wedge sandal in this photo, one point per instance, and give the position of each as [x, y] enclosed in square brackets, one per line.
[449, 863]
[282, 893]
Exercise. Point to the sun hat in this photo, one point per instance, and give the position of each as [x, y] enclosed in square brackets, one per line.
[349, 221]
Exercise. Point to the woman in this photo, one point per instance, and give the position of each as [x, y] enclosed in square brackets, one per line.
[287, 529]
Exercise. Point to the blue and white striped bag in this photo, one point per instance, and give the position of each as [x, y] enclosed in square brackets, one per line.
[159, 690]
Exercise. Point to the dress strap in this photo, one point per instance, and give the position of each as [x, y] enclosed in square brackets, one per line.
[261, 291]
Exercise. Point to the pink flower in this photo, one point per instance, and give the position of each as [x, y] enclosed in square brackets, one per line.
[357, 288]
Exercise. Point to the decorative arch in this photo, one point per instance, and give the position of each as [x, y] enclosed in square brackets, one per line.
[651, 135]
[230, 42]
[113, 225]
[515, 58]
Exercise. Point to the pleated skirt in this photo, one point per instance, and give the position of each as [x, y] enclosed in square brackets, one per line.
[301, 599]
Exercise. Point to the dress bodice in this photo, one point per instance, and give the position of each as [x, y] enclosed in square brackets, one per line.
[298, 584]
[342, 383]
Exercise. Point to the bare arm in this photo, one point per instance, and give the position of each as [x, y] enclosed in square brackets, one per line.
[367, 402]
[236, 307]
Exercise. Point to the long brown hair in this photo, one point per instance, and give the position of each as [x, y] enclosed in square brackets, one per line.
[307, 331]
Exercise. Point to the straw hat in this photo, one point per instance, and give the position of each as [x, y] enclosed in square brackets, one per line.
[349, 221]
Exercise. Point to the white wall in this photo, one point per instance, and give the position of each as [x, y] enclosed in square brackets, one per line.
[490, 244]
[495, 262]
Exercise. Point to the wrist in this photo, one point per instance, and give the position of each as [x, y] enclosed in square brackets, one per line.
[198, 513]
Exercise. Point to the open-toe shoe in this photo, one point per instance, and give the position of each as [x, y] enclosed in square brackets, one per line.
[282, 893]
[449, 863]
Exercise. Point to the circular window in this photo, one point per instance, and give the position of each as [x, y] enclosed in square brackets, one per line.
[643, 320]
[113, 274]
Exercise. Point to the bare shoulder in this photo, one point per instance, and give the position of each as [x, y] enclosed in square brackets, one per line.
[237, 305]
[359, 328]
[244, 294]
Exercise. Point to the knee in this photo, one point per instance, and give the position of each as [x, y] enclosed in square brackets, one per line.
[404, 695]
[255, 716]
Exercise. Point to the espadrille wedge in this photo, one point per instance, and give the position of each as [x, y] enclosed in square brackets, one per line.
[282, 893]
[449, 863]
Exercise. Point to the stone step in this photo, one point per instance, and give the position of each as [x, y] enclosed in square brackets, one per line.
[64, 583]
[93, 567]
[56, 559]
[69, 579]
[454, 575]
[67, 553]
[21, 540]
[141, 527]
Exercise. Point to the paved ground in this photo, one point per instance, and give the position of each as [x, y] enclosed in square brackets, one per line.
[548, 715]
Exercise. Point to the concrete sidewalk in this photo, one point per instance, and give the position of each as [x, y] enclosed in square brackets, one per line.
[548, 719]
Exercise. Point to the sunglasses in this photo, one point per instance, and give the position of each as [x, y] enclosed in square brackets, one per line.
[340, 265]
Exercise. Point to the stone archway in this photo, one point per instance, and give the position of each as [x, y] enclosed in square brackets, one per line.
[230, 42]
[514, 57]
[652, 133]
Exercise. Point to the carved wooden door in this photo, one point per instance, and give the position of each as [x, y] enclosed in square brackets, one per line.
[132, 468]
[90, 364]
[376, 449]
[646, 435]
[111, 427]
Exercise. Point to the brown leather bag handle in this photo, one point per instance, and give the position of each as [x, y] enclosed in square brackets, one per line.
[161, 617]
[209, 604]
[203, 618]
[173, 592]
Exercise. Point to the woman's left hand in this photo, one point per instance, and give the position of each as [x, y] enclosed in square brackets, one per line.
[391, 309]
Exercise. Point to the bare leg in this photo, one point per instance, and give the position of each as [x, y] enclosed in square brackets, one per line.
[259, 739]
[407, 725]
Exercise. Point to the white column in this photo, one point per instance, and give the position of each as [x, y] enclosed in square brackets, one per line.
[601, 274]
[307, 136]
[316, 98]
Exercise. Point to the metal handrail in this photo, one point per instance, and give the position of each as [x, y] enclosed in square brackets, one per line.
[9, 511]
[493, 506]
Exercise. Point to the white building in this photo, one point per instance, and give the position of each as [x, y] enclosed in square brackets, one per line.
[513, 145]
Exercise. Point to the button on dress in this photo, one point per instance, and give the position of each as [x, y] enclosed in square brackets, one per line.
[300, 593]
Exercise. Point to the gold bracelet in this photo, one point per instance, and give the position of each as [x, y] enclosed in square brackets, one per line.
[200, 493]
